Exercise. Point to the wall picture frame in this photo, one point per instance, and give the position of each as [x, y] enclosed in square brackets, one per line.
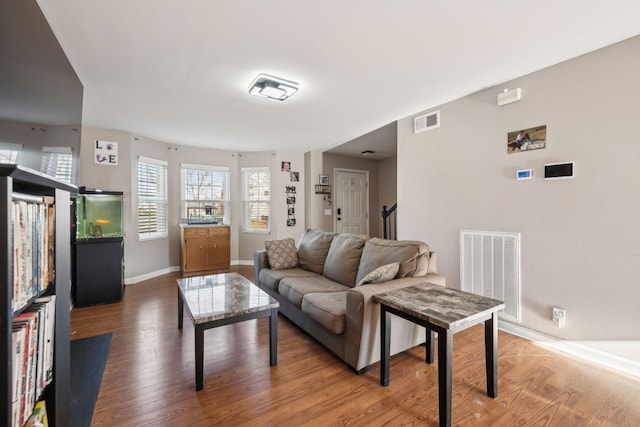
[533, 138]
[324, 180]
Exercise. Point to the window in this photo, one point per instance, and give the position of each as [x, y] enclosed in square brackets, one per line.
[256, 197]
[152, 198]
[9, 153]
[206, 187]
[58, 163]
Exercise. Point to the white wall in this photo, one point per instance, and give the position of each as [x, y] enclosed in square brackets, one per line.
[580, 237]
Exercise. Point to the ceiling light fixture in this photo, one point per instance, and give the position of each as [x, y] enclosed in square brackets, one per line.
[272, 87]
[368, 152]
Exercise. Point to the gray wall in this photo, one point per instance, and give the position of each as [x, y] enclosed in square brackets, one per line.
[147, 258]
[580, 237]
[387, 186]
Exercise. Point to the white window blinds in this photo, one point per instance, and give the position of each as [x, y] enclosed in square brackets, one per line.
[9, 152]
[152, 198]
[58, 163]
[256, 197]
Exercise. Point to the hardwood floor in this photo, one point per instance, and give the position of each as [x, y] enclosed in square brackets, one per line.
[149, 377]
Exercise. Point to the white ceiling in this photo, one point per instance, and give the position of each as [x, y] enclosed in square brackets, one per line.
[178, 71]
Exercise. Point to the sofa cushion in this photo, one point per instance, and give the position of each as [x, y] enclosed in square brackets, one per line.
[271, 278]
[384, 273]
[293, 289]
[327, 309]
[313, 248]
[343, 258]
[281, 254]
[413, 257]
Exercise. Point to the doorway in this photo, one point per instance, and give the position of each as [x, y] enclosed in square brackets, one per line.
[351, 201]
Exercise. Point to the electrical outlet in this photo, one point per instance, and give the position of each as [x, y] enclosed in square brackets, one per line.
[558, 316]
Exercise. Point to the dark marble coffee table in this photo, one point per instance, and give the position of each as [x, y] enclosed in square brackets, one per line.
[222, 299]
[445, 311]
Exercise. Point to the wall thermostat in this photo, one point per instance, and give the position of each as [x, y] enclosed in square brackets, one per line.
[524, 174]
[558, 170]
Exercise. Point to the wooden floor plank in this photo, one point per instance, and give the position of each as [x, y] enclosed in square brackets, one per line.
[150, 376]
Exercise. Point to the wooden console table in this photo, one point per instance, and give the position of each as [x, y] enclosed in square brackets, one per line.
[445, 311]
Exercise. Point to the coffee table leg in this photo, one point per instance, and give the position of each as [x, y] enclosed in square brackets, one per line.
[445, 353]
[430, 338]
[273, 337]
[199, 335]
[491, 354]
[385, 345]
[180, 309]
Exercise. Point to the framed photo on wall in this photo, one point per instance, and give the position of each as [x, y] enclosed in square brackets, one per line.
[529, 139]
[324, 180]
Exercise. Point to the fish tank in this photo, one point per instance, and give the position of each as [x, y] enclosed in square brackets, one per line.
[98, 214]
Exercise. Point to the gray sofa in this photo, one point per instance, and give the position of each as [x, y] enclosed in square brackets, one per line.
[326, 284]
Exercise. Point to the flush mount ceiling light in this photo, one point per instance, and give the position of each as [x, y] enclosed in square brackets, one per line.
[368, 152]
[272, 87]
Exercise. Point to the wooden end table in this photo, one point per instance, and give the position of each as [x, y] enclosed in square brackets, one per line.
[445, 311]
[222, 299]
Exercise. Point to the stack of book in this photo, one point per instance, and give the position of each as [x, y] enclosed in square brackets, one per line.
[32, 233]
[33, 313]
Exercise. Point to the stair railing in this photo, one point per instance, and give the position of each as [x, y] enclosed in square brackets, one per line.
[389, 222]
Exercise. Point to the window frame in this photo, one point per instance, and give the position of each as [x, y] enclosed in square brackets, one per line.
[226, 200]
[247, 202]
[161, 199]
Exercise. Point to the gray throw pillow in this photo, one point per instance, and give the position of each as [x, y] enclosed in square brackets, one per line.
[281, 254]
[381, 274]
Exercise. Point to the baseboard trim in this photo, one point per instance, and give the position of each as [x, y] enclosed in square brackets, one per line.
[147, 276]
[573, 348]
[153, 274]
[242, 262]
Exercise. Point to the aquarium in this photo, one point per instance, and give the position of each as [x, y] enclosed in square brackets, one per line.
[98, 214]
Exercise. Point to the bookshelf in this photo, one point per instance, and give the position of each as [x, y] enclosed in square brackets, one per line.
[13, 180]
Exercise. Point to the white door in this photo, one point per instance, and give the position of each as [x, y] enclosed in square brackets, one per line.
[352, 201]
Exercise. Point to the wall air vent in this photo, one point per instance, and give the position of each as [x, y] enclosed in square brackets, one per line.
[426, 122]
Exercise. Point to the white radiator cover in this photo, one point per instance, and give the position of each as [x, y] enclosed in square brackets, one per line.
[490, 266]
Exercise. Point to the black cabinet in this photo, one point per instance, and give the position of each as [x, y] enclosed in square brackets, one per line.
[99, 274]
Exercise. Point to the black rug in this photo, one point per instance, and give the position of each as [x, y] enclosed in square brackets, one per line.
[88, 358]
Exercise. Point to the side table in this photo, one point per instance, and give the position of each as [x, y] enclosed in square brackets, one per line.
[444, 311]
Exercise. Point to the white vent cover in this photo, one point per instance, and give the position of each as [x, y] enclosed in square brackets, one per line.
[426, 122]
[490, 266]
[509, 96]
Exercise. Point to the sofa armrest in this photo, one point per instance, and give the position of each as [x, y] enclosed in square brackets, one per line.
[363, 320]
[260, 261]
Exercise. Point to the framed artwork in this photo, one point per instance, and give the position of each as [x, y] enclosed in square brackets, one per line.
[324, 180]
[285, 166]
[529, 139]
[291, 200]
[295, 176]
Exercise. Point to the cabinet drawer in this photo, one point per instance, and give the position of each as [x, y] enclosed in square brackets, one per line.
[196, 231]
[219, 231]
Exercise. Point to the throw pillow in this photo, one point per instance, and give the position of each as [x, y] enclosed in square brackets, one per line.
[381, 274]
[281, 254]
